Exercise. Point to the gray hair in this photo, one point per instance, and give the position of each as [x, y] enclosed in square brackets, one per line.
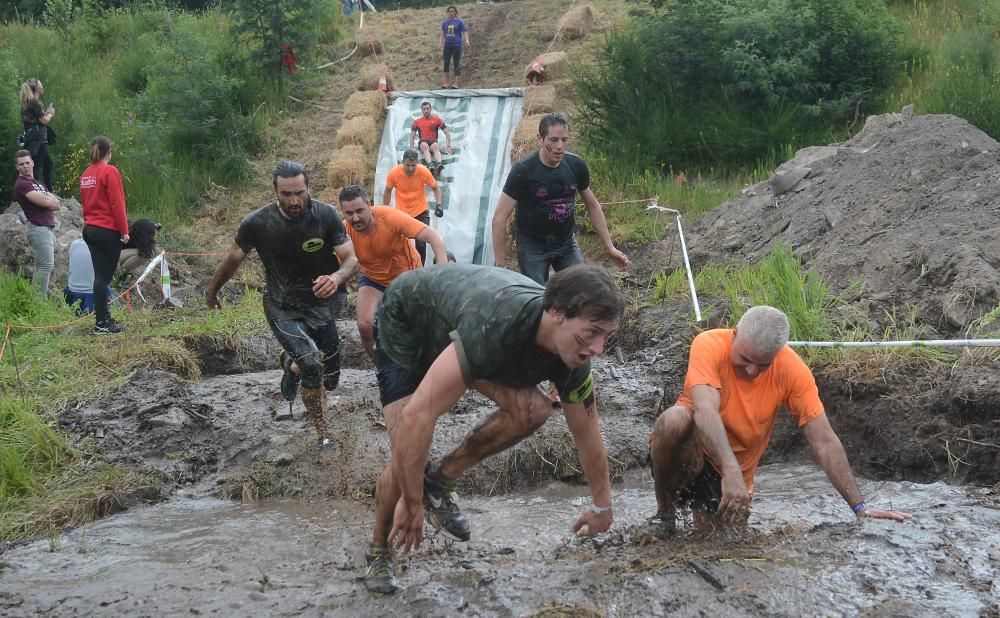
[410, 155]
[289, 169]
[765, 328]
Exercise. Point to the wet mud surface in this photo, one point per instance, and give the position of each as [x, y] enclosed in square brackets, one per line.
[295, 546]
[803, 554]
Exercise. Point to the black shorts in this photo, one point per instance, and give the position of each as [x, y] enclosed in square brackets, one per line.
[429, 142]
[394, 380]
[705, 491]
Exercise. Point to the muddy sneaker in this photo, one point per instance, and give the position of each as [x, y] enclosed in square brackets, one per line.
[440, 509]
[108, 327]
[289, 381]
[659, 526]
[381, 574]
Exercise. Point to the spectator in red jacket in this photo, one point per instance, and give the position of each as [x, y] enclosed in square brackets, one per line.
[105, 226]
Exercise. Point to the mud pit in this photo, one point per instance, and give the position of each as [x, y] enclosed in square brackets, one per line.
[803, 555]
[300, 552]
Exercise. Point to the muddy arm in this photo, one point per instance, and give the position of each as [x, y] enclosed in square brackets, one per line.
[505, 208]
[583, 424]
[223, 274]
[432, 238]
[832, 458]
[711, 431]
[410, 433]
[596, 213]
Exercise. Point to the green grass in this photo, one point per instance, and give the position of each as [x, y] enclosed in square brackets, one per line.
[45, 482]
[778, 280]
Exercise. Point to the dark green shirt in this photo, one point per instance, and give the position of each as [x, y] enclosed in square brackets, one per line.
[490, 314]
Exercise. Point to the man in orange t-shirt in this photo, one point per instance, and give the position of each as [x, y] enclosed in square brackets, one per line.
[409, 179]
[426, 128]
[381, 237]
[736, 382]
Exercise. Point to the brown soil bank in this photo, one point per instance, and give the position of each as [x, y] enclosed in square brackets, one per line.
[903, 215]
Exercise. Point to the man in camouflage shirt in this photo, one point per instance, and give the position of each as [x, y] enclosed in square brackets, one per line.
[445, 329]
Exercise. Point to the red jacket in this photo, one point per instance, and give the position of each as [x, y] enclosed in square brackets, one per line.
[103, 197]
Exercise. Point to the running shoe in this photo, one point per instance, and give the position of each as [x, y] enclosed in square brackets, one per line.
[440, 509]
[380, 576]
[289, 381]
[108, 327]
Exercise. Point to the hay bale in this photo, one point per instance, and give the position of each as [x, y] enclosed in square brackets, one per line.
[539, 100]
[556, 64]
[576, 23]
[365, 103]
[347, 167]
[360, 130]
[525, 137]
[369, 43]
[370, 75]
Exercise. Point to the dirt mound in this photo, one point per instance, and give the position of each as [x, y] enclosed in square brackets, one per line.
[908, 208]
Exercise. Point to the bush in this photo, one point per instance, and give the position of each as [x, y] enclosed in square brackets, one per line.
[712, 82]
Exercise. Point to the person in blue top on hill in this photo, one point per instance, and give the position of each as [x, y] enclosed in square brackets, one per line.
[454, 35]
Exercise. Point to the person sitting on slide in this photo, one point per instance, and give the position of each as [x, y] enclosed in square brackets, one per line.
[426, 128]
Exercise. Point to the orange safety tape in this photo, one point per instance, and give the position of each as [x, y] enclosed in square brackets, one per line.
[180, 253]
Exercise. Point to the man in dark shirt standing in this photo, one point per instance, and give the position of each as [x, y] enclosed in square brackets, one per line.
[543, 188]
[39, 208]
[445, 329]
[307, 257]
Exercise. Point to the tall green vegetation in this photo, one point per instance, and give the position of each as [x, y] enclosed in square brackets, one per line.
[957, 70]
[710, 83]
[182, 95]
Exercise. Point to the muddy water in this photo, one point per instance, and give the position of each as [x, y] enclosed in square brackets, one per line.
[803, 555]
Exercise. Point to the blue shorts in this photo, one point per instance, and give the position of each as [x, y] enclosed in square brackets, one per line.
[365, 282]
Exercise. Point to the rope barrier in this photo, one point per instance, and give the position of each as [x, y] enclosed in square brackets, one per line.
[6, 337]
[913, 343]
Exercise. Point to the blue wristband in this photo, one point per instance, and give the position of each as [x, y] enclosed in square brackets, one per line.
[857, 508]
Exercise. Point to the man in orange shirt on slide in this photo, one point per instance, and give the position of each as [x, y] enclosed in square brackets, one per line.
[381, 236]
[426, 127]
[705, 448]
[409, 179]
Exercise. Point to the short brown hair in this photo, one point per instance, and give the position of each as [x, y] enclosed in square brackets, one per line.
[584, 290]
[21, 154]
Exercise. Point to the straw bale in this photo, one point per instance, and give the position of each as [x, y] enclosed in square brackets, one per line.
[360, 130]
[370, 74]
[369, 43]
[365, 103]
[348, 166]
[539, 100]
[525, 137]
[576, 22]
[556, 64]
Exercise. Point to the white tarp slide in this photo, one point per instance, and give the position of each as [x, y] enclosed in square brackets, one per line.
[482, 124]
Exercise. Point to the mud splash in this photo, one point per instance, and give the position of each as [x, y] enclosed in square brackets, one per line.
[803, 555]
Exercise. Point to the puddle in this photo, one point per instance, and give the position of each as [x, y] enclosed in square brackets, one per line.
[803, 555]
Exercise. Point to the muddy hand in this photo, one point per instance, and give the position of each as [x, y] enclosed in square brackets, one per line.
[590, 523]
[325, 286]
[893, 515]
[620, 259]
[407, 526]
[735, 504]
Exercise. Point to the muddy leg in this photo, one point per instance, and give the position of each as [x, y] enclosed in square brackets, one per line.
[674, 456]
[367, 303]
[387, 492]
[522, 411]
[314, 400]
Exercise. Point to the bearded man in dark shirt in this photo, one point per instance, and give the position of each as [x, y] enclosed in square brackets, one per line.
[307, 258]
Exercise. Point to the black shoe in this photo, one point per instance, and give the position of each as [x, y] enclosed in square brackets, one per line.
[108, 327]
[289, 381]
[380, 576]
[440, 509]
